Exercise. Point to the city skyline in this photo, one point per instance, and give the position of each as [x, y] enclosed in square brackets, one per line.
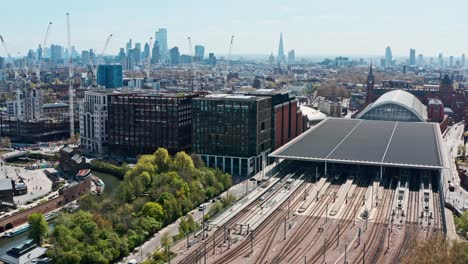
[357, 28]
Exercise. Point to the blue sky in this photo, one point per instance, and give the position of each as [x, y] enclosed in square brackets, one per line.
[311, 27]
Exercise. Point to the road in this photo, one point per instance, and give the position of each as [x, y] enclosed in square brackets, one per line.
[452, 139]
[144, 251]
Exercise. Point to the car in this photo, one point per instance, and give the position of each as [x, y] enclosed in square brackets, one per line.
[202, 207]
[132, 261]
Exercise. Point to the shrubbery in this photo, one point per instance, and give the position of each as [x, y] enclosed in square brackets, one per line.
[105, 167]
[153, 194]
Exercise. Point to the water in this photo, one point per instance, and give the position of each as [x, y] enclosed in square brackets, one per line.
[112, 182]
[8, 242]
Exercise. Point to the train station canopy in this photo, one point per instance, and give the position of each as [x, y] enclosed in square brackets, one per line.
[368, 142]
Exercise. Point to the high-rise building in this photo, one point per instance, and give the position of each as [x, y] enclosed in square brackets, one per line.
[40, 53]
[291, 57]
[110, 75]
[85, 57]
[441, 60]
[281, 58]
[420, 60]
[56, 52]
[463, 60]
[451, 61]
[174, 55]
[129, 46]
[232, 132]
[161, 38]
[211, 59]
[139, 123]
[146, 52]
[156, 53]
[388, 57]
[93, 120]
[412, 58]
[2, 63]
[199, 53]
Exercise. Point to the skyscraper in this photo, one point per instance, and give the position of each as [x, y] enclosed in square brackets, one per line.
[174, 55]
[110, 75]
[85, 57]
[451, 61]
[146, 52]
[291, 57]
[129, 46]
[56, 52]
[156, 53]
[463, 60]
[420, 60]
[412, 58]
[199, 52]
[281, 58]
[39, 52]
[161, 38]
[388, 57]
[2, 62]
[441, 60]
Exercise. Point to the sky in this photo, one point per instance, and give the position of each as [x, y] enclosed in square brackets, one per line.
[310, 27]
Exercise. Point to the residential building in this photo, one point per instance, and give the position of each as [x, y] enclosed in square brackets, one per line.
[330, 108]
[232, 132]
[110, 75]
[27, 105]
[139, 123]
[93, 120]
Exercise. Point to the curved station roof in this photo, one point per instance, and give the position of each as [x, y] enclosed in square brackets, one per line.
[368, 142]
[399, 98]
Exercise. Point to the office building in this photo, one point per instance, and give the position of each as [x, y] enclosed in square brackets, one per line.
[441, 60]
[56, 52]
[232, 132]
[420, 60]
[281, 58]
[388, 57]
[451, 61]
[211, 59]
[2, 63]
[93, 120]
[156, 53]
[291, 57]
[412, 58]
[85, 57]
[174, 56]
[129, 46]
[146, 52]
[139, 123]
[330, 107]
[161, 38]
[110, 75]
[462, 60]
[137, 52]
[199, 52]
[40, 53]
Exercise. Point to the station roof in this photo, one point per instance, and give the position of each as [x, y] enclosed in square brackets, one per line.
[368, 142]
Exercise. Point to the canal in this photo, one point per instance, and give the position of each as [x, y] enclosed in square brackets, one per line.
[111, 182]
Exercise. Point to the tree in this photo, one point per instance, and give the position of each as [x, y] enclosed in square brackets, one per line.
[166, 241]
[162, 159]
[153, 210]
[437, 250]
[5, 142]
[38, 226]
[182, 161]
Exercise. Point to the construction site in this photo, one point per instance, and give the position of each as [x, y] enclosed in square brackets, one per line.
[363, 195]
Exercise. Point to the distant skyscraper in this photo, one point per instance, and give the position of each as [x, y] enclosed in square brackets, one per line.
[420, 60]
[451, 61]
[441, 60]
[146, 52]
[291, 57]
[199, 52]
[85, 57]
[412, 58]
[463, 60]
[281, 58]
[174, 55]
[110, 75]
[40, 53]
[2, 63]
[388, 57]
[56, 52]
[271, 59]
[161, 38]
[129, 46]
[156, 53]
[212, 59]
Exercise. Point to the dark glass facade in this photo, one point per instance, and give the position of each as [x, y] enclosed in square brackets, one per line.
[141, 123]
[231, 132]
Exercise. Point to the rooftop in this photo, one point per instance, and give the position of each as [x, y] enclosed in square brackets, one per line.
[5, 184]
[369, 142]
[229, 97]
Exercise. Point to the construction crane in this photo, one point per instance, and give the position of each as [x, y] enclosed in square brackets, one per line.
[147, 70]
[9, 57]
[191, 73]
[94, 66]
[227, 61]
[41, 61]
[70, 82]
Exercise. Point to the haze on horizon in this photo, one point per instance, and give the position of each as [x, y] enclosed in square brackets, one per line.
[310, 27]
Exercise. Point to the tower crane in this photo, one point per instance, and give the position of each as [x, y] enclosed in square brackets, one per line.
[227, 61]
[41, 61]
[9, 57]
[94, 66]
[70, 82]
[148, 62]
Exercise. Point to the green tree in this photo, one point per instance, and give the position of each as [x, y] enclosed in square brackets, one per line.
[182, 161]
[462, 223]
[162, 159]
[38, 226]
[153, 210]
